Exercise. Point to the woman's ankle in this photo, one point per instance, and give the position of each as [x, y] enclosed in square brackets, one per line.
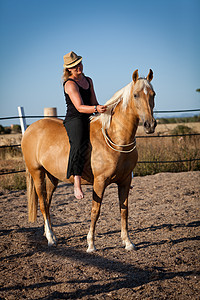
[78, 193]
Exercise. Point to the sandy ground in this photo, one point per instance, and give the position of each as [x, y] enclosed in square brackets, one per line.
[163, 223]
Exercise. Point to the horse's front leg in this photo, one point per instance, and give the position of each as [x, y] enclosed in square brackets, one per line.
[123, 191]
[98, 190]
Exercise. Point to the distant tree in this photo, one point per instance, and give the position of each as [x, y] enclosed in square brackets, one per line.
[16, 128]
[2, 130]
[198, 90]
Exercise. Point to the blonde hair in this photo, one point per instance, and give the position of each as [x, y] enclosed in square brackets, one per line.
[121, 95]
[66, 74]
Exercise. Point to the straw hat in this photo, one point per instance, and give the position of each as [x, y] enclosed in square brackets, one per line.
[71, 59]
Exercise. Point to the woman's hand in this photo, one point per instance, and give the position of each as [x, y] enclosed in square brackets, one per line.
[101, 108]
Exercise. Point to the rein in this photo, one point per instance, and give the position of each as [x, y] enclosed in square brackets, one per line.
[108, 142]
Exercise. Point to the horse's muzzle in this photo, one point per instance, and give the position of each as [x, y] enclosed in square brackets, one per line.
[149, 127]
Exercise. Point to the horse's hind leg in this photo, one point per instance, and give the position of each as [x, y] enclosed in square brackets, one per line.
[98, 191]
[40, 187]
[51, 183]
[123, 191]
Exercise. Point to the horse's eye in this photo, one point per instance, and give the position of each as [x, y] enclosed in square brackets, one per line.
[135, 96]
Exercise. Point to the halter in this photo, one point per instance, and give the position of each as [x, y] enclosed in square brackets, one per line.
[108, 142]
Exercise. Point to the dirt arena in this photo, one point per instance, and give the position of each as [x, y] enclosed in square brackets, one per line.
[163, 223]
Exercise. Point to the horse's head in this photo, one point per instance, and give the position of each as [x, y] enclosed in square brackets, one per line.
[143, 95]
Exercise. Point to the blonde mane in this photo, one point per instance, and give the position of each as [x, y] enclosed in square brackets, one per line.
[122, 95]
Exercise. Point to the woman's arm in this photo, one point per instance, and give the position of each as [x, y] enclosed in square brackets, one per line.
[93, 99]
[72, 90]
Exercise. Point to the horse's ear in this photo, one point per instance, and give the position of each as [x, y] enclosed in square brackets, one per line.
[150, 75]
[135, 75]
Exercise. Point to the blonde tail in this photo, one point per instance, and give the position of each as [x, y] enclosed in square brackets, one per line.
[32, 198]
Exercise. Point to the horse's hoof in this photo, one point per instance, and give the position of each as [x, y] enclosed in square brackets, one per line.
[91, 249]
[52, 243]
[130, 247]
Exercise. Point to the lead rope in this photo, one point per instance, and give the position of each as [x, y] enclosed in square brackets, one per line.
[107, 140]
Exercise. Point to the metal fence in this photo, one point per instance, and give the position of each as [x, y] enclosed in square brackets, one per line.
[137, 137]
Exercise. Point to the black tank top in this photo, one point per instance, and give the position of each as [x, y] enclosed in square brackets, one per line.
[72, 112]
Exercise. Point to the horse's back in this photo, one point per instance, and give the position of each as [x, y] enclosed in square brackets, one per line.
[44, 124]
[42, 130]
[43, 143]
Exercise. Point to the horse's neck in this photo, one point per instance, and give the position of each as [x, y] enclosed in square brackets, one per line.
[124, 124]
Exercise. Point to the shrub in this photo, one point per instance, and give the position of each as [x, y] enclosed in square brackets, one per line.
[16, 128]
[13, 182]
[7, 130]
[182, 129]
[2, 130]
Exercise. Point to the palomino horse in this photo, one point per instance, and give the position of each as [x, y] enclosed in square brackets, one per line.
[110, 157]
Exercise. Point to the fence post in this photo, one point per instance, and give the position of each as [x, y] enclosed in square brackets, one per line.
[22, 119]
[50, 112]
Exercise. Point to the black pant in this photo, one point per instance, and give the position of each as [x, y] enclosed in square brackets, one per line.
[78, 133]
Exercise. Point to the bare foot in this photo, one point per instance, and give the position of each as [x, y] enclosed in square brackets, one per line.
[78, 193]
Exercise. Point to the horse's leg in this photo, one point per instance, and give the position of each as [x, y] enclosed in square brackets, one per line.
[40, 187]
[123, 191]
[98, 190]
[51, 184]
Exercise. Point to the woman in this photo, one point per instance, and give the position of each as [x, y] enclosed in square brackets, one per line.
[81, 103]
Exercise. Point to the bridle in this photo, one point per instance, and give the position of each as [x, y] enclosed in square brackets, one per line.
[110, 143]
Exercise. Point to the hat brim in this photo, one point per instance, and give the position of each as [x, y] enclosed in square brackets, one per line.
[75, 63]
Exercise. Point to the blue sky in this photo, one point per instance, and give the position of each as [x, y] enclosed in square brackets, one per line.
[114, 38]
